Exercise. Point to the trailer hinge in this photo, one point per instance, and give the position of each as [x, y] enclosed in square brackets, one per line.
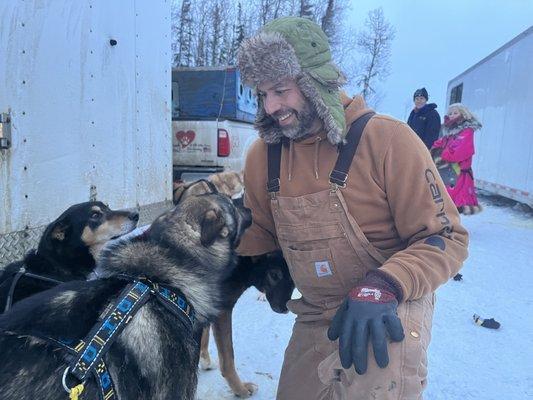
[5, 131]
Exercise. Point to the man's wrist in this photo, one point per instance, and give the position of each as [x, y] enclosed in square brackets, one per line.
[377, 287]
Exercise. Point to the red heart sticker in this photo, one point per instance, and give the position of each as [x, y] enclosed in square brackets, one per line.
[185, 138]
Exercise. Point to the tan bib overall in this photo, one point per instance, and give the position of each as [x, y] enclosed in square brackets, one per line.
[328, 253]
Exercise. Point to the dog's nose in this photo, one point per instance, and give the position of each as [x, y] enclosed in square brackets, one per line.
[134, 216]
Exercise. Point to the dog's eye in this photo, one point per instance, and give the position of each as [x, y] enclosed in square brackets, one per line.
[96, 215]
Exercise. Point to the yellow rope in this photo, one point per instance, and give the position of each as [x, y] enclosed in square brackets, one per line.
[76, 391]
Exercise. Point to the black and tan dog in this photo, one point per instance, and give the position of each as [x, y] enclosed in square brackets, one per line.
[189, 251]
[66, 251]
[268, 273]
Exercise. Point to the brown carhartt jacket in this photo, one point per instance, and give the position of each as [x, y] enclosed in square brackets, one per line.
[393, 191]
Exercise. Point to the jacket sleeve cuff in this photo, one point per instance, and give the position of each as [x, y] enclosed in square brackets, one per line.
[393, 284]
[382, 280]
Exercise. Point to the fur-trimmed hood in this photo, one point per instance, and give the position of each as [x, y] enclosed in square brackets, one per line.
[454, 130]
[298, 49]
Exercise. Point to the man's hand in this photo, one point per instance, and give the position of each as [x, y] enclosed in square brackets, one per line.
[368, 314]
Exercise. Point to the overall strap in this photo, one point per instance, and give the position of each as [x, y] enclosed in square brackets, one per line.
[274, 162]
[339, 175]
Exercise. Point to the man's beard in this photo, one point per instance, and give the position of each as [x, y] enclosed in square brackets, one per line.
[304, 120]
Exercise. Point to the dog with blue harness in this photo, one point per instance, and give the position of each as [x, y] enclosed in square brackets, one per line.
[131, 333]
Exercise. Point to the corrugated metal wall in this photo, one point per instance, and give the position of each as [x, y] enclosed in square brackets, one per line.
[87, 85]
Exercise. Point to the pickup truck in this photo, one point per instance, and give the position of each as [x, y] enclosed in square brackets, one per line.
[200, 148]
[212, 121]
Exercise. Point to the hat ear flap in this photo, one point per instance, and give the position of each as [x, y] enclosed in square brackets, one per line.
[213, 225]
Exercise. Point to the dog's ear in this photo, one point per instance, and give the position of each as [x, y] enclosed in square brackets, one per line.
[213, 225]
[59, 231]
[193, 189]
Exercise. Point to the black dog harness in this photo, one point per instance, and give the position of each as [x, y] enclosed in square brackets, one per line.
[339, 174]
[19, 273]
[86, 356]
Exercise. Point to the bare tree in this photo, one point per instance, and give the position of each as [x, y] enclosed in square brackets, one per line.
[238, 34]
[202, 22]
[374, 44]
[185, 32]
[306, 9]
[276, 8]
[216, 17]
[265, 11]
[327, 19]
[224, 49]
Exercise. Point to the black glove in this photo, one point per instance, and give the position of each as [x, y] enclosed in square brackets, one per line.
[368, 313]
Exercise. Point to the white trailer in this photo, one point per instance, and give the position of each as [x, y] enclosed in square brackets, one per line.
[85, 111]
[499, 90]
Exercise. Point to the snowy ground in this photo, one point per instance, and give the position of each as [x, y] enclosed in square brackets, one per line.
[466, 361]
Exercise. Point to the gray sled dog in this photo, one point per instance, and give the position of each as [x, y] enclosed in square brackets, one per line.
[157, 291]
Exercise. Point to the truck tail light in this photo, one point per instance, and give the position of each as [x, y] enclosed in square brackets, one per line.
[223, 148]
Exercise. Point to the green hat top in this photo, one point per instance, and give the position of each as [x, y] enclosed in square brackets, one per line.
[298, 49]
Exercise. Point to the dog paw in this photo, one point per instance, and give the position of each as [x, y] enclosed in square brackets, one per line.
[261, 297]
[206, 364]
[248, 389]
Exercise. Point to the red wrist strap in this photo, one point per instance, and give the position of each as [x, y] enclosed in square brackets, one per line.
[376, 288]
[371, 294]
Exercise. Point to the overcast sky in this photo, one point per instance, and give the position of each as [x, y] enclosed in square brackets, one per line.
[436, 40]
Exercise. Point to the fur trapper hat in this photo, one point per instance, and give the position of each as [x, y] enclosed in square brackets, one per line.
[298, 49]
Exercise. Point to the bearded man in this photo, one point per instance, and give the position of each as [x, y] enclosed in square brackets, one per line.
[354, 201]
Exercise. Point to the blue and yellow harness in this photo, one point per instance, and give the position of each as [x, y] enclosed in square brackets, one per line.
[87, 354]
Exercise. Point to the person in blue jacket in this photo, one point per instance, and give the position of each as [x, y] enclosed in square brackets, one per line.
[424, 119]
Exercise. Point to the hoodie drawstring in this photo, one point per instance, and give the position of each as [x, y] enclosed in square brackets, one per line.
[291, 158]
[315, 161]
[317, 147]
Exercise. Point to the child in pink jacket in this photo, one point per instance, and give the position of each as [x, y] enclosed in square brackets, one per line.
[456, 148]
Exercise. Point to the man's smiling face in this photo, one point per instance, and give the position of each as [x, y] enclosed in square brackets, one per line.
[285, 103]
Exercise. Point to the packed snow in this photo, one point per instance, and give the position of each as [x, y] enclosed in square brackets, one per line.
[466, 361]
